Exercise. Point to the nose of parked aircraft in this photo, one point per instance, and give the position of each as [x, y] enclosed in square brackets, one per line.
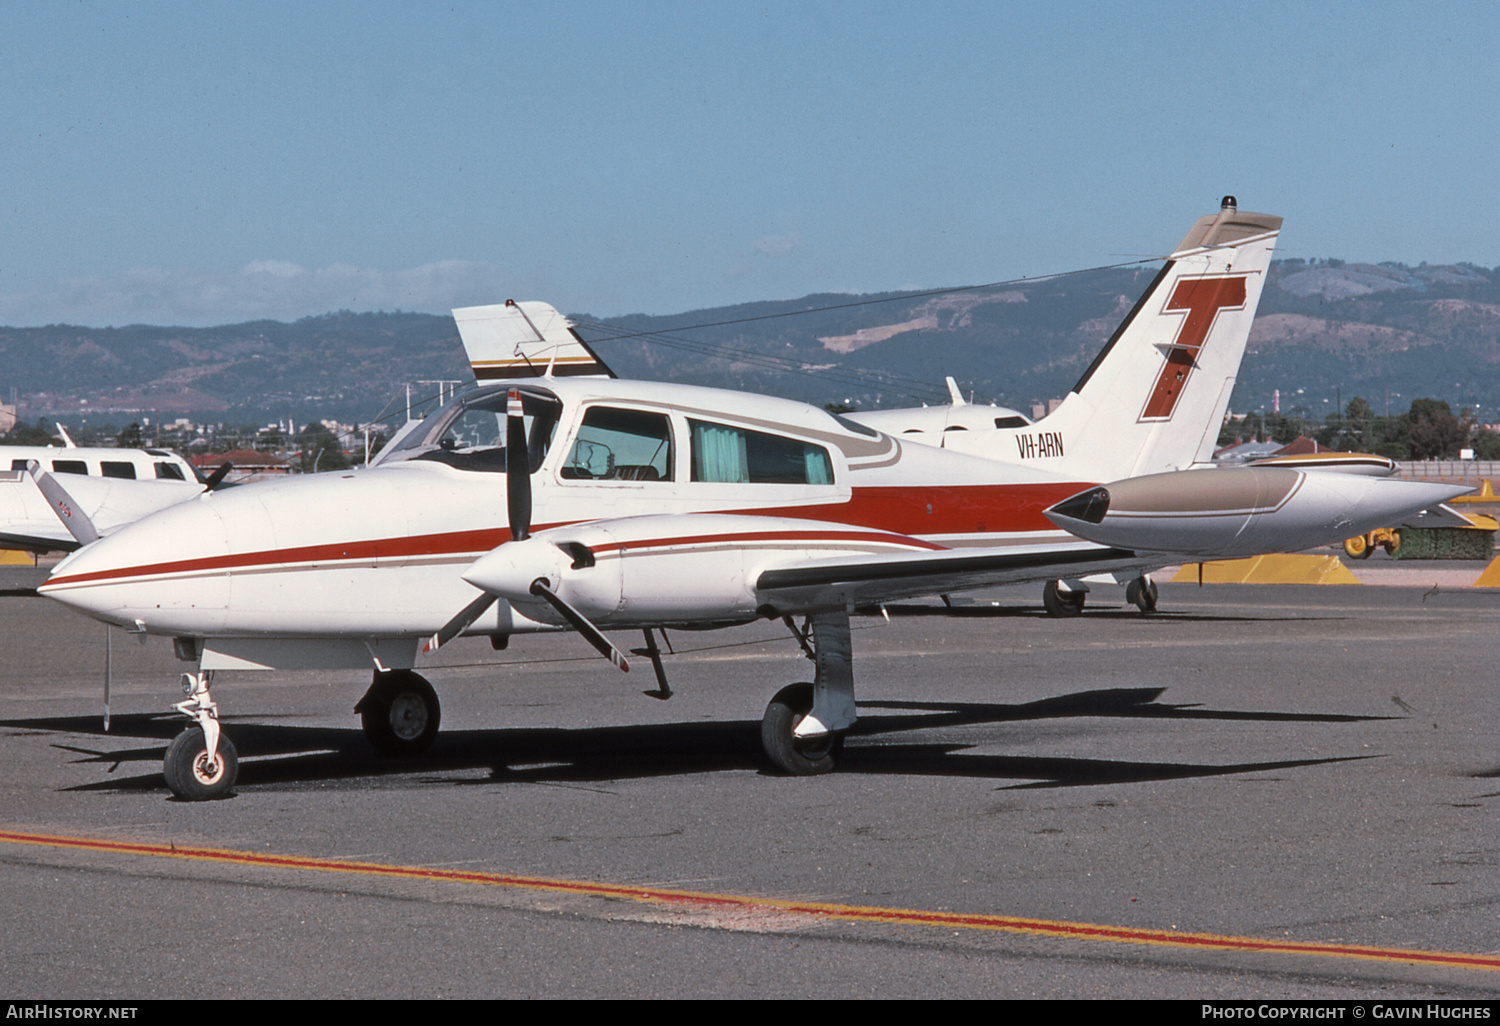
[158, 571]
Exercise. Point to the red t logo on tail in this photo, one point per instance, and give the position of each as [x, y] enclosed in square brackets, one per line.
[1202, 298]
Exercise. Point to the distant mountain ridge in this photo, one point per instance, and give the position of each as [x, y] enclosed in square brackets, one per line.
[1331, 329]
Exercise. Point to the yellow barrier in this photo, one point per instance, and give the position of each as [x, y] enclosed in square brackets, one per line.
[1486, 493]
[15, 557]
[1491, 576]
[1281, 568]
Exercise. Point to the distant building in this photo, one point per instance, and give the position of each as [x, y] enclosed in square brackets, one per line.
[249, 465]
[7, 418]
[1300, 446]
[1240, 452]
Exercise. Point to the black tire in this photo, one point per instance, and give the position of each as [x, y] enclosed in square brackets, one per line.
[188, 772]
[1061, 603]
[1143, 593]
[799, 758]
[400, 713]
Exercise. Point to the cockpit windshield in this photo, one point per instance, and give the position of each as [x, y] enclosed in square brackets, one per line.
[468, 433]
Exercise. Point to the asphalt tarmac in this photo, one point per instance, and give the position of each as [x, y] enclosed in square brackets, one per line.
[1260, 792]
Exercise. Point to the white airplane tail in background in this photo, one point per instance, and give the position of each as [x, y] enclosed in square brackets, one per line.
[517, 340]
[1154, 398]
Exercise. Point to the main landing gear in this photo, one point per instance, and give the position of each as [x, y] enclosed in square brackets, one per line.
[1059, 599]
[1065, 598]
[1143, 592]
[400, 713]
[802, 731]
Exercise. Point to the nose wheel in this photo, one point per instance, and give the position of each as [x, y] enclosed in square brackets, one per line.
[196, 775]
[201, 762]
[399, 713]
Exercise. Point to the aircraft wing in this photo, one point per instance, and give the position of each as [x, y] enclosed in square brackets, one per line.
[707, 568]
[872, 579]
[712, 568]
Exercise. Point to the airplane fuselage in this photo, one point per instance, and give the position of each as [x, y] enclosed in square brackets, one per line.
[378, 552]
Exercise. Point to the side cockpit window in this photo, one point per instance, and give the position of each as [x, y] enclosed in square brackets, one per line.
[621, 445]
[730, 454]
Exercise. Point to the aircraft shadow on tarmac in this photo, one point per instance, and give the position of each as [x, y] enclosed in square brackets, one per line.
[282, 757]
[1101, 612]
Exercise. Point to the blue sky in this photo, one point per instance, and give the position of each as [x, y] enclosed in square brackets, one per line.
[204, 163]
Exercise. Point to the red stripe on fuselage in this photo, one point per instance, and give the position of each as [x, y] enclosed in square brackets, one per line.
[914, 511]
[761, 537]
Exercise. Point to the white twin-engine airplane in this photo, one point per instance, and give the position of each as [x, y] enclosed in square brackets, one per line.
[572, 501]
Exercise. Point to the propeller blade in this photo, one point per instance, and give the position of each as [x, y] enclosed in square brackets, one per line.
[212, 482]
[64, 505]
[460, 623]
[591, 634]
[517, 469]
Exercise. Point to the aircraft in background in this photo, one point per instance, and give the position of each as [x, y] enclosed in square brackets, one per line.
[1363, 463]
[588, 503]
[111, 487]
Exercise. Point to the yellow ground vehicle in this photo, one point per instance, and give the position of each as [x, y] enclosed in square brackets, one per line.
[1442, 534]
[1361, 545]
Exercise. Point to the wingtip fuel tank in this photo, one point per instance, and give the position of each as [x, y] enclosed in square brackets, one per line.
[1242, 511]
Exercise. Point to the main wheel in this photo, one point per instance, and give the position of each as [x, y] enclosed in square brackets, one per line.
[189, 773]
[1143, 592]
[399, 713]
[1358, 547]
[1393, 543]
[1061, 603]
[801, 757]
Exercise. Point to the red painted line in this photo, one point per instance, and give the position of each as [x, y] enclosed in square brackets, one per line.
[815, 910]
[909, 512]
[755, 537]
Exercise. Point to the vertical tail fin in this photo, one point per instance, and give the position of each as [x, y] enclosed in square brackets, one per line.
[520, 340]
[1154, 398]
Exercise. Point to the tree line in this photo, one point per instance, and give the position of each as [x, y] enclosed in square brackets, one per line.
[1428, 430]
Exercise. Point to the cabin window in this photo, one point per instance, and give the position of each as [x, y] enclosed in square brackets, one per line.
[169, 472]
[69, 467]
[621, 445]
[729, 454]
[18, 464]
[1011, 422]
[118, 468]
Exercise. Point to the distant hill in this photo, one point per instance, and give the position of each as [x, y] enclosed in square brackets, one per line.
[1327, 328]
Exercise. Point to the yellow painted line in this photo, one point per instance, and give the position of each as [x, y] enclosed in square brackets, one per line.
[688, 900]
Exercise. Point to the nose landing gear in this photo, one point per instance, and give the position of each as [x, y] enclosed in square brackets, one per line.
[201, 763]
